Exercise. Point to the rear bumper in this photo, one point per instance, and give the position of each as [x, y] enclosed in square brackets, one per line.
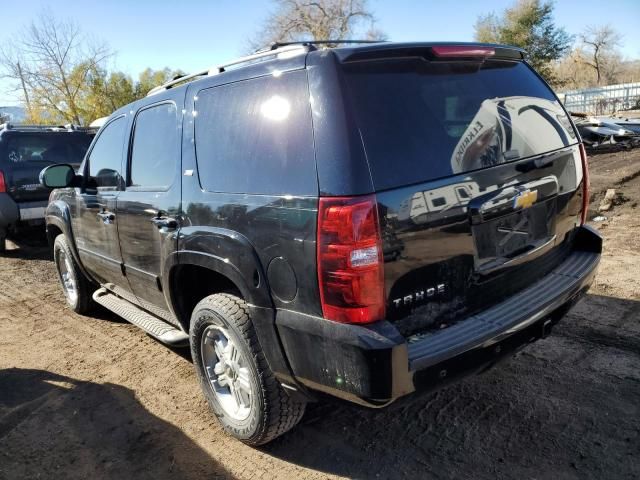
[374, 364]
[11, 213]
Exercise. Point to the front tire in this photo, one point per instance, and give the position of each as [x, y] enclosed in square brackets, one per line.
[240, 388]
[76, 287]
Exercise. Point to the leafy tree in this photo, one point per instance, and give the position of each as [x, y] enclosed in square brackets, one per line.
[106, 92]
[295, 20]
[527, 24]
[149, 79]
[62, 75]
[50, 61]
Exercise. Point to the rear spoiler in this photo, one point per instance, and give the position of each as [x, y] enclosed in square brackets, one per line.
[434, 52]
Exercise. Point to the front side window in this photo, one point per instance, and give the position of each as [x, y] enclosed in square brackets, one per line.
[105, 159]
[156, 147]
[255, 136]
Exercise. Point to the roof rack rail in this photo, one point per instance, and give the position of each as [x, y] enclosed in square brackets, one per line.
[279, 52]
[322, 42]
[53, 128]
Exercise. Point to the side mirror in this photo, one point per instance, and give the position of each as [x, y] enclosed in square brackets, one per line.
[58, 176]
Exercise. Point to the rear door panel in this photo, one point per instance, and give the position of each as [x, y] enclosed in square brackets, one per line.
[153, 190]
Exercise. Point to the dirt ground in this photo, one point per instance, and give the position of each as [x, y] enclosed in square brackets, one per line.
[94, 397]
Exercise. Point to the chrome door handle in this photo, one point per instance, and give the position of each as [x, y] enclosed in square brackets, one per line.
[165, 222]
[106, 217]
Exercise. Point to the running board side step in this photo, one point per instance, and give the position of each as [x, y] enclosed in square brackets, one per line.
[154, 326]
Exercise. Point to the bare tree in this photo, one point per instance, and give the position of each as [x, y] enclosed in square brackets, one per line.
[295, 20]
[600, 45]
[10, 61]
[50, 63]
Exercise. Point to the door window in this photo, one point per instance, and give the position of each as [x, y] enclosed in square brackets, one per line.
[156, 148]
[105, 159]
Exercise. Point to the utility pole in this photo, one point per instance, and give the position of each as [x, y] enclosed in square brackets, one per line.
[24, 90]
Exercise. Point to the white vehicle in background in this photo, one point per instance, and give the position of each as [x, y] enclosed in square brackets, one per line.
[507, 128]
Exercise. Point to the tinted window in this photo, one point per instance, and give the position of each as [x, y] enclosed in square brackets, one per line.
[105, 159]
[48, 148]
[255, 136]
[156, 147]
[423, 120]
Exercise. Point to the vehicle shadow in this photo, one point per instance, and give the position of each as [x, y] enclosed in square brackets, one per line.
[52, 426]
[29, 244]
[565, 407]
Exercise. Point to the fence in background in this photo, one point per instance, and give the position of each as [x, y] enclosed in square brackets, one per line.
[603, 100]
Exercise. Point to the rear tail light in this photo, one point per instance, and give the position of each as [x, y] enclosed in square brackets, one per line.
[585, 185]
[350, 261]
[3, 185]
[458, 51]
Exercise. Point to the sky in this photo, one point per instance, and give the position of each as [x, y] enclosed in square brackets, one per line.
[193, 35]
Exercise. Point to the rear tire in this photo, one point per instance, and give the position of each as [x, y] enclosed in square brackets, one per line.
[240, 388]
[76, 286]
[3, 243]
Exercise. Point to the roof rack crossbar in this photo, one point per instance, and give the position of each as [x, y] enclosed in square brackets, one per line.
[280, 51]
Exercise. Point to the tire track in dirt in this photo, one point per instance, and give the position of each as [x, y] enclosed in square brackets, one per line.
[566, 407]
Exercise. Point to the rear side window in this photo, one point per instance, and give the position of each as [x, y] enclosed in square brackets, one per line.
[156, 147]
[423, 120]
[255, 136]
[105, 159]
[47, 148]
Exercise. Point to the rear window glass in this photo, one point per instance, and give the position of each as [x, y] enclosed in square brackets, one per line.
[424, 120]
[51, 148]
[255, 136]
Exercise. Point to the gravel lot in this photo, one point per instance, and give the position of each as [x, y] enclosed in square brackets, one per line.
[94, 397]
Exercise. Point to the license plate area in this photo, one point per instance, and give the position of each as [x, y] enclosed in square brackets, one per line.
[31, 213]
[501, 239]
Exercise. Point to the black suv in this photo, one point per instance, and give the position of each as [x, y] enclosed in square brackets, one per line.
[24, 151]
[363, 221]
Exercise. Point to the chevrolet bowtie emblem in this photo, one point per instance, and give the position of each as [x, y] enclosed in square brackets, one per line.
[525, 199]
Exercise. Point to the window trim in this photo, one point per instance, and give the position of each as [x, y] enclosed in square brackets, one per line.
[127, 183]
[85, 167]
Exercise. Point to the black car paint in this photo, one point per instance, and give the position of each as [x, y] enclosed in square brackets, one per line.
[265, 245]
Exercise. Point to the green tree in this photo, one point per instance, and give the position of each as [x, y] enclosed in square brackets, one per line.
[528, 24]
[152, 78]
[62, 74]
[50, 62]
[107, 92]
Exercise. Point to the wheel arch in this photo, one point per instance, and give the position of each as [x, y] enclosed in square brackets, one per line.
[57, 221]
[216, 274]
[192, 274]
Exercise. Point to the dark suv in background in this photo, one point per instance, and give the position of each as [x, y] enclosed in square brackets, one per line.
[24, 151]
[363, 221]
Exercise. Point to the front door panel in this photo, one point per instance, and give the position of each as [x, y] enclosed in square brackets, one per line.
[98, 240]
[97, 216]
